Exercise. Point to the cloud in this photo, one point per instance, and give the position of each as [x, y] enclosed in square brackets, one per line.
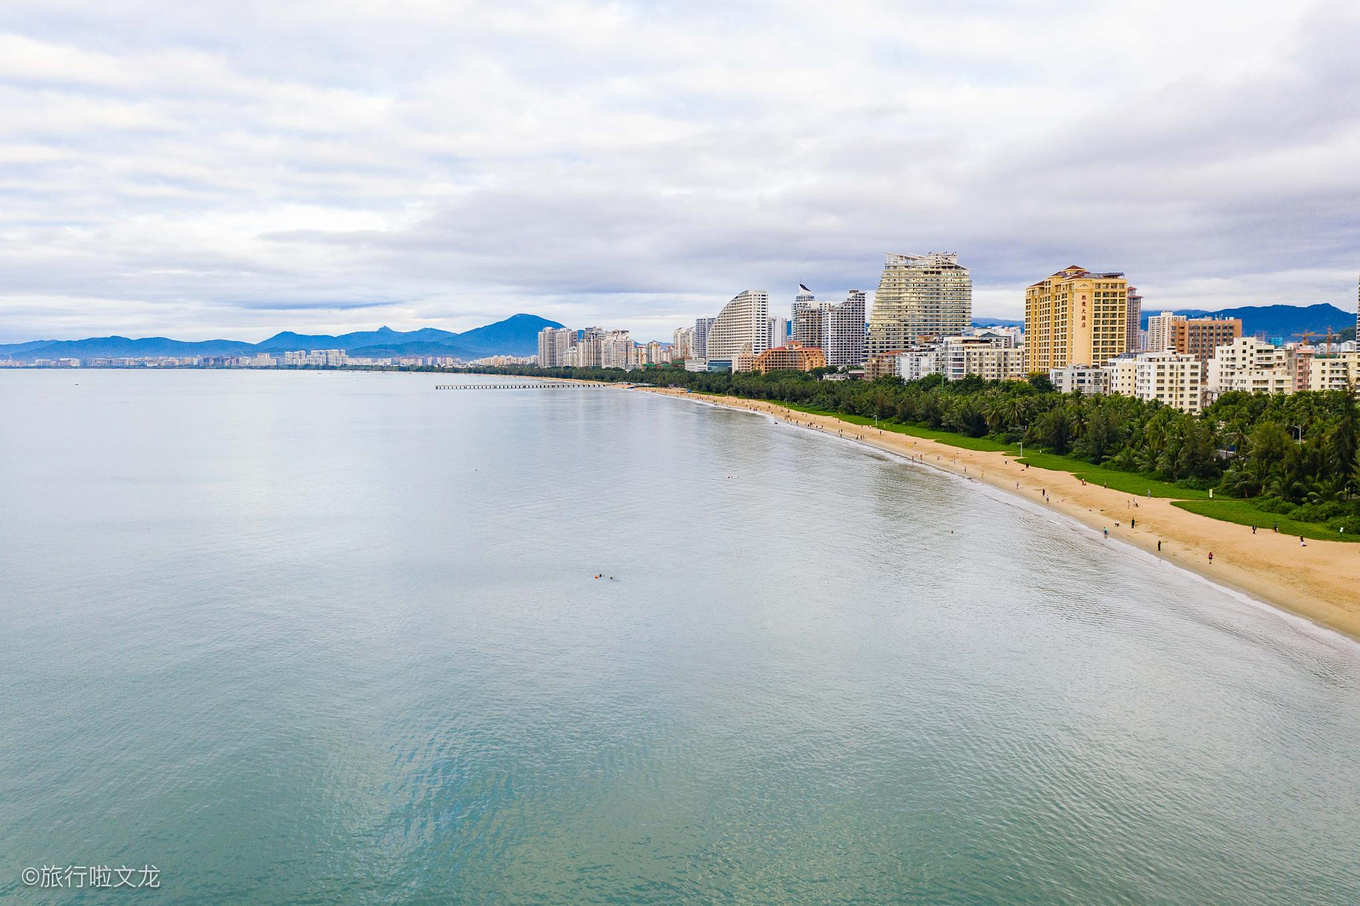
[235, 169]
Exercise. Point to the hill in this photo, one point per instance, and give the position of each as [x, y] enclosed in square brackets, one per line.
[516, 335]
[1275, 321]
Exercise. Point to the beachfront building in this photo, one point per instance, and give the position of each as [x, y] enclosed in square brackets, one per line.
[992, 356]
[845, 331]
[1172, 378]
[654, 353]
[617, 350]
[836, 329]
[1086, 379]
[921, 362]
[553, 343]
[589, 349]
[742, 326]
[1075, 317]
[920, 298]
[882, 365]
[808, 319]
[1252, 366]
[792, 357]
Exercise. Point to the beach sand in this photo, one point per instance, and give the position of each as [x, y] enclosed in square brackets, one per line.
[1320, 582]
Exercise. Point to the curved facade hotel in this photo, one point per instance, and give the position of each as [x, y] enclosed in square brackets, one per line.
[920, 298]
[742, 326]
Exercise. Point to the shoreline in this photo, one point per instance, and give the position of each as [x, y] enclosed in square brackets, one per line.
[1319, 583]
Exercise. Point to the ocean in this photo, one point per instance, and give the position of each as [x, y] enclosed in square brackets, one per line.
[334, 637]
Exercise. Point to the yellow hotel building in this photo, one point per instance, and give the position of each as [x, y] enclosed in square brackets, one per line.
[1075, 317]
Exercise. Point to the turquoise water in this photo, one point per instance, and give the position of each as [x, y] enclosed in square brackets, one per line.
[335, 638]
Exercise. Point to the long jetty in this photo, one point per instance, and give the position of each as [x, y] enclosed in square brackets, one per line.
[526, 385]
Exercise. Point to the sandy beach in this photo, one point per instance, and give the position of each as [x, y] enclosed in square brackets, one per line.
[1320, 582]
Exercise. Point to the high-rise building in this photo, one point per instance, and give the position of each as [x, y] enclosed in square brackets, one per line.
[682, 343]
[1198, 337]
[845, 331]
[616, 350]
[590, 347]
[1161, 332]
[553, 343]
[779, 332]
[837, 330]
[1075, 317]
[920, 298]
[1133, 337]
[809, 319]
[742, 326]
[701, 328]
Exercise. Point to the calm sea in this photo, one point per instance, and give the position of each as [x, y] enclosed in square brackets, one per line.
[338, 638]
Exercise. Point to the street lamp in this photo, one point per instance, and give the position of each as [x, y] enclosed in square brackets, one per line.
[1299, 428]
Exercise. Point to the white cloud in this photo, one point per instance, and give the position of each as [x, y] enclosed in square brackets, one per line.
[235, 169]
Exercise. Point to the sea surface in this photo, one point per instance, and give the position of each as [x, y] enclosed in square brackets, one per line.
[339, 638]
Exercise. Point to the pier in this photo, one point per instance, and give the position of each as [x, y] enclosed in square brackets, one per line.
[525, 385]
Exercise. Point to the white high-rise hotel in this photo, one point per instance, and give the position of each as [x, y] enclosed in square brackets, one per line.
[741, 327]
[920, 298]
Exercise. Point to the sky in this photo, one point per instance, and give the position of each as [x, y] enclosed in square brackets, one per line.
[232, 169]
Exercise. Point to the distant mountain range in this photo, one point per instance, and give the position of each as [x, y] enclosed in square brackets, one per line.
[516, 335]
[1282, 321]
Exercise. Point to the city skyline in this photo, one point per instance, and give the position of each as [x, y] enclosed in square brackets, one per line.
[235, 174]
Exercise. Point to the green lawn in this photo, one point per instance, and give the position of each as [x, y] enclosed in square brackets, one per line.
[1244, 512]
[1128, 482]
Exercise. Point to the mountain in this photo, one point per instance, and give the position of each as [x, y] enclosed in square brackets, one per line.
[1276, 321]
[383, 336]
[516, 335]
[121, 347]
[997, 322]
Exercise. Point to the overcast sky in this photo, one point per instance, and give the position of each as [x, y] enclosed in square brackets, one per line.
[232, 169]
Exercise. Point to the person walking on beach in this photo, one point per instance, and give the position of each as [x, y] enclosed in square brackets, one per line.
[1253, 529]
[1107, 533]
[1159, 546]
[1302, 543]
[1211, 558]
[1277, 527]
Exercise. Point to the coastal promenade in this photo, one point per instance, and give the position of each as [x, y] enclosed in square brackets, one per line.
[1319, 581]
